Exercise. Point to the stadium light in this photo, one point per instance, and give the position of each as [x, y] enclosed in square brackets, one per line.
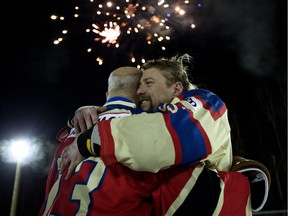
[20, 150]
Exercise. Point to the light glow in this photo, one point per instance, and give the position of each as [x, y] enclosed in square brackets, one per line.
[21, 150]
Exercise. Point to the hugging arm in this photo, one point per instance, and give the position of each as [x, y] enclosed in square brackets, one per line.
[192, 129]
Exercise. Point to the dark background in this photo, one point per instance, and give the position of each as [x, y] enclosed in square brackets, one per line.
[240, 51]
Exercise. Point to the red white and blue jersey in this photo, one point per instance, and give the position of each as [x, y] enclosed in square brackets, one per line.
[186, 146]
[95, 189]
[193, 129]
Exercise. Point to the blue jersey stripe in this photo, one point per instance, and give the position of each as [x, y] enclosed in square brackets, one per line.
[191, 139]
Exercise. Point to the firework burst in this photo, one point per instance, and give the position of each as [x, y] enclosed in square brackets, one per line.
[131, 25]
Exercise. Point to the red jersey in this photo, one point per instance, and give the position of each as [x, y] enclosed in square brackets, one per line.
[95, 189]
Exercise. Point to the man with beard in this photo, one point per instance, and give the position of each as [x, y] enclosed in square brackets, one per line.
[185, 141]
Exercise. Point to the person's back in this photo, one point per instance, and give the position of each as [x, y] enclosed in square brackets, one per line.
[95, 189]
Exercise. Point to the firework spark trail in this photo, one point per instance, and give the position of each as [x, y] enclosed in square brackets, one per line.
[146, 22]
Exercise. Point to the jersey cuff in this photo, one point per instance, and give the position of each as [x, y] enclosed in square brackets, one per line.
[84, 143]
[89, 142]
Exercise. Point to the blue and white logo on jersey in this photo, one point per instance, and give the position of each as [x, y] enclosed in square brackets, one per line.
[194, 102]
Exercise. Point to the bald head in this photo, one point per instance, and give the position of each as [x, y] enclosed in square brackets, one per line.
[126, 70]
[124, 81]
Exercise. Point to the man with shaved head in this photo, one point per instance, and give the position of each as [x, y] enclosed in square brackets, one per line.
[97, 189]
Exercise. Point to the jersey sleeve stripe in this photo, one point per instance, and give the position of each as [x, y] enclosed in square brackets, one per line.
[107, 150]
[176, 141]
[190, 136]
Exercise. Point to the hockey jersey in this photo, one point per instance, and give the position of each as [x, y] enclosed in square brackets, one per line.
[94, 189]
[193, 128]
[97, 189]
[186, 144]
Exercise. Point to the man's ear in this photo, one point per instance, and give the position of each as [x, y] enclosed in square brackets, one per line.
[178, 89]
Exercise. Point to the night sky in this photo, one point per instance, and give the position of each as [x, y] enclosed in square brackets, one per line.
[240, 52]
